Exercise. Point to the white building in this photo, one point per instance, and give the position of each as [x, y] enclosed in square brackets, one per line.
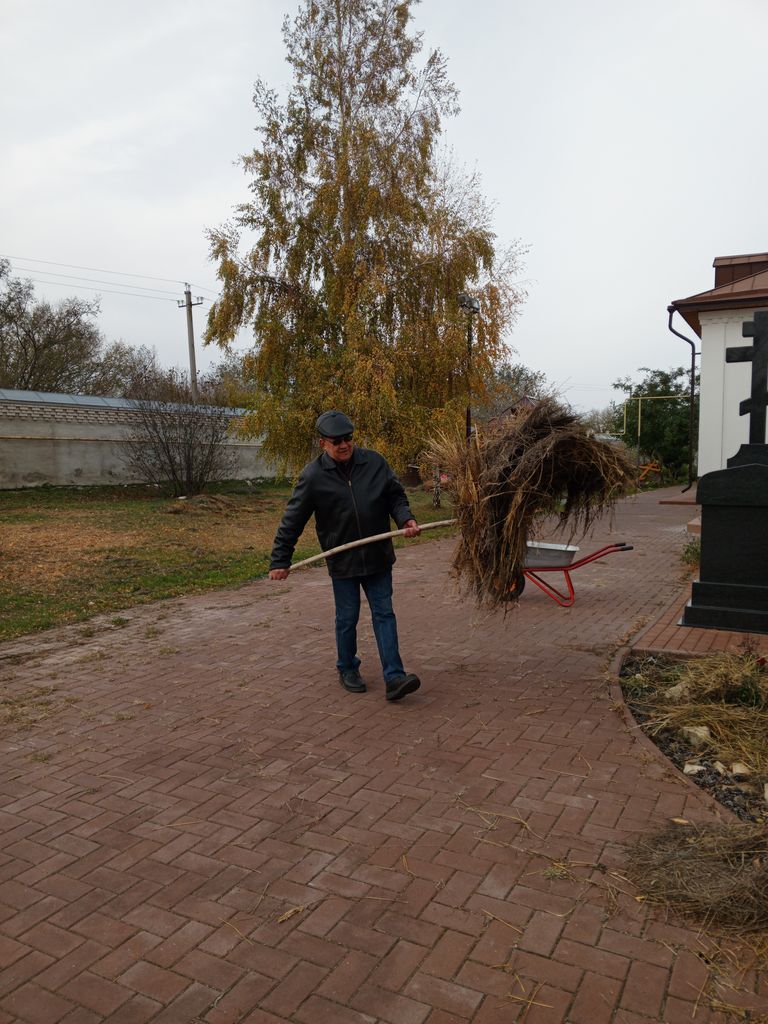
[717, 315]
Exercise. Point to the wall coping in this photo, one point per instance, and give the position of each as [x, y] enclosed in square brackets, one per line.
[54, 398]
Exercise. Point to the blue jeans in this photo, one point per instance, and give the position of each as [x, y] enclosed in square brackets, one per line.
[378, 591]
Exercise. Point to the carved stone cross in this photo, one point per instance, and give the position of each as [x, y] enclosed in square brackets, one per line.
[757, 354]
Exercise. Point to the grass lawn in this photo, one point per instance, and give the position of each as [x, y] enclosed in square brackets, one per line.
[67, 554]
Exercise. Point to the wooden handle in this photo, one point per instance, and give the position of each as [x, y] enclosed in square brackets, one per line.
[367, 540]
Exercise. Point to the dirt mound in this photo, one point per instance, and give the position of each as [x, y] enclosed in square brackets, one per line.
[218, 504]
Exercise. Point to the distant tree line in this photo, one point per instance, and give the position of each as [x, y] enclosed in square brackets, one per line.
[48, 346]
[58, 347]
[653, 418]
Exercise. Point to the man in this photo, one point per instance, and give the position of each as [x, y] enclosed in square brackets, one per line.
[352, 493]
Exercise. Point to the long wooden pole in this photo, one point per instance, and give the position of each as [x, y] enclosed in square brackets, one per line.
[367, 540]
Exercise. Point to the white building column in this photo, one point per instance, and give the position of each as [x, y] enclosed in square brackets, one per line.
[724, 386]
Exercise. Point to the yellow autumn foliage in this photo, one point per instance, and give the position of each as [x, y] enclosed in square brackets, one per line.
[361, 236]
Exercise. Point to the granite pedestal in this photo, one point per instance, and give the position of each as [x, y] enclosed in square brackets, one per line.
[732, 589]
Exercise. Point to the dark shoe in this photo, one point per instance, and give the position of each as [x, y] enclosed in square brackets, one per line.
[352, 681]
[399, 688]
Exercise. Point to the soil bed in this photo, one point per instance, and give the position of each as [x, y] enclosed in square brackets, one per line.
[645, 683]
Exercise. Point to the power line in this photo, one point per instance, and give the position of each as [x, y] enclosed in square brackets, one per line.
[161, 294]
[102, 270]
[98, 270]
[204, 289]
[110, 291]
[93, 280]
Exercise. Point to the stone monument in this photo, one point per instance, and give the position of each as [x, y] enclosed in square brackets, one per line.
[732, 589]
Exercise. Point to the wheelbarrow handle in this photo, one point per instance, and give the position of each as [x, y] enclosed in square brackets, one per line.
[367, 540]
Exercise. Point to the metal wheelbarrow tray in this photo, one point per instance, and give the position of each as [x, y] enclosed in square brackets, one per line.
[545, 558]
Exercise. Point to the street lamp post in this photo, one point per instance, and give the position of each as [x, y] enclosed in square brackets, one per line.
[472, 306]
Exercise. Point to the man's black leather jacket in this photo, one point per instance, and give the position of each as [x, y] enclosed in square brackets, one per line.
[345, 508]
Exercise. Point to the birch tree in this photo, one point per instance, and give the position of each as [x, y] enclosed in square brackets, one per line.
[346, 260]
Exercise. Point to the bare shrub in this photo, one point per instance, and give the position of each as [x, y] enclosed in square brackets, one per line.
[176, 442]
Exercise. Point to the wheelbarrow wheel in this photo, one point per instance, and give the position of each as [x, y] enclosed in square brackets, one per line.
[516, 587]
[511, 589]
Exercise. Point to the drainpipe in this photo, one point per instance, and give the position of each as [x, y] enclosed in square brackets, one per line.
[671, 311]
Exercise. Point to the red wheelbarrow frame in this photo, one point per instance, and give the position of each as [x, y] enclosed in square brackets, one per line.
[566, 600]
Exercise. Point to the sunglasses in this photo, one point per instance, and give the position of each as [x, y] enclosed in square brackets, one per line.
[336, 441]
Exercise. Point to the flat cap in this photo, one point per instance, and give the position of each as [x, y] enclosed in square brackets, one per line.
[333, 424]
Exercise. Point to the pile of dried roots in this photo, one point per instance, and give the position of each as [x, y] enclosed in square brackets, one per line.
[512, 474]
[717, 873]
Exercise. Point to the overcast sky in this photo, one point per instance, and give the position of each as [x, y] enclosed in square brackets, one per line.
[623, 141]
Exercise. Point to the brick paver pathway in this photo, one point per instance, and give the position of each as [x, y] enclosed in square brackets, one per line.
[205, 827]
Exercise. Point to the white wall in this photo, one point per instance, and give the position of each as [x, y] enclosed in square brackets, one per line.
[43, 441]
[724, 386]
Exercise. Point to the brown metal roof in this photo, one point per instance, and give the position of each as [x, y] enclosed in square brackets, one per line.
[733, 268]
[727, 261]
[751, 290]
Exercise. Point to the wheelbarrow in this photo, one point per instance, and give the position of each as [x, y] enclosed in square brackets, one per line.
[545, 558]
[541, 557]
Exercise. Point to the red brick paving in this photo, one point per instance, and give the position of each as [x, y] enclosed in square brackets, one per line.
[207, 828]
[667, 635]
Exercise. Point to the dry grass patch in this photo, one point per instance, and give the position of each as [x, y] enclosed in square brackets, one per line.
[724, 696]
[737, 735]
[27, 709]
[64, 538]
[67, 554]
[717, 873]
[49, 550]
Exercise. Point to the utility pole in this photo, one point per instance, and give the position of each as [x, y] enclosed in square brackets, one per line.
[472, 306]
[188, 304]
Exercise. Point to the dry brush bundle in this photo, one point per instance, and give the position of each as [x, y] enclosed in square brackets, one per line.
[513, 473]
[717, 873]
